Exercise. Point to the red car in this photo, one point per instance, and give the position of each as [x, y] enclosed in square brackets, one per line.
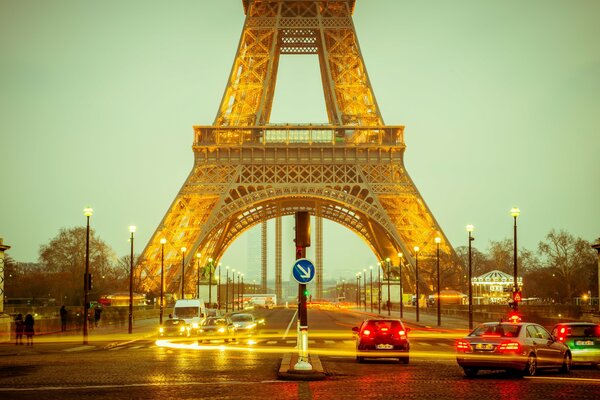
[382, 338]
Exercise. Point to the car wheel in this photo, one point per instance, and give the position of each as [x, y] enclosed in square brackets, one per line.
[403, 360]
[531, 366]
[470, 372]
[566, 365]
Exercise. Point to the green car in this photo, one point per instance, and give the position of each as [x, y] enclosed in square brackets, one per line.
[583, 338]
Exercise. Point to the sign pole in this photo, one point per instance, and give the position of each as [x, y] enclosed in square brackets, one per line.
[303, 272]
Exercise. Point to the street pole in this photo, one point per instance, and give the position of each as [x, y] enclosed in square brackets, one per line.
[86, 306]
[596, 246]
[379, 288]
[162, 277]
[227, 289]
[198, 255]
[183, 249]
[388, 273]
[238, 290]
[219, 287]
[242, 297]
[400, 262]
[358, 290]
[470, 229]
[439, 299]
[233, 289]
[302, 241]
[417, 279]
[365, 287]
[515, 213]
[130, 329]
[210, 274]
[371, 282]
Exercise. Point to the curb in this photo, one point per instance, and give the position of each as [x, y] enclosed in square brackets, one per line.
[288, 373]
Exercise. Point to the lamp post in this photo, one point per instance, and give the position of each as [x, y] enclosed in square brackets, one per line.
[439, 299]
[596, 246]
[238, 289]
[417, 279]
[198, 255]
[210, 274]
[358, 290]
[233, 289]
[470, 229]
[162, 277]
[219, 287]
[227, 288]
[88, 211]
[365, 287]
[515, 213]
[379, 288]
[132, 229]
[183, 249]
[400, 262]
[371, 283]
[242, 291]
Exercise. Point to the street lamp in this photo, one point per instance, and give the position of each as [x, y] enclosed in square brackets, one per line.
[439, 309]
[515, 213]
[132, 229]
[227, 288]
[242, 291]
[210, 273]
[198, 255]
[358, 290]
[596, 246]
[379, 288]
[470, 229]
[365, 286]
[371, 274]
[88, 211]
[183, 249]
[233, 289]
[219, 287]
[238, 289]
[400, 262]
[417, 279]
[162, 277]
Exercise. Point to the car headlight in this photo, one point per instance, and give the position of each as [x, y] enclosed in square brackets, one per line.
[161, 329]
[236, 325]
[261, 321]
[221, 330]
[182, 329]
[200, 330]
[251, 326]
[195, 325]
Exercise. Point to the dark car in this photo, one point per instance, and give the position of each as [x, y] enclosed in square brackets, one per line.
[216, 328]
[174, 327]
[583, 338]
[382, 338]
[521, 347]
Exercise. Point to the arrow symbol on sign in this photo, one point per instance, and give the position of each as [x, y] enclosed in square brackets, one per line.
[305, 272]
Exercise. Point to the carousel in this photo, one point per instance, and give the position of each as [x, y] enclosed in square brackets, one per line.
[494, 287]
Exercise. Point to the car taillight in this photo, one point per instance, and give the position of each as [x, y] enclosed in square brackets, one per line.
[463, 346]
[509, 347]
[366, 332]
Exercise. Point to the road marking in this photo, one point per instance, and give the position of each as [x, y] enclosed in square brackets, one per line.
[557, 378]
[131, 385]
[116, 348]
[330, 341]
[135, 347]
[424, 344]
[349, 342]
[80, 348]
[290, 324]
[290, 342]
[271, 342]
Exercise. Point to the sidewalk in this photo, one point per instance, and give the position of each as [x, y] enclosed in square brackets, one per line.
[106, 336]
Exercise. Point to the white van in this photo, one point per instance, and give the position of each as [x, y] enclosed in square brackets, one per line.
[192, 311]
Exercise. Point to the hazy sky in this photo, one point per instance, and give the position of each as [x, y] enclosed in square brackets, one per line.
[500, 99]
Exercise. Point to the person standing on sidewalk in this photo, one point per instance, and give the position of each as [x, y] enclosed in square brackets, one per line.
[19, 327]
[63, 318]
[29, 329]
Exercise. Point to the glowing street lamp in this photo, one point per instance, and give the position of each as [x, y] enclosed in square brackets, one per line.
[88, 211]
[470, 229]
[596, 246]
[132, 230]
[515, 213]
[439, 310]
[400, 263]
[183, 250]
[162, 277]
[416, 248]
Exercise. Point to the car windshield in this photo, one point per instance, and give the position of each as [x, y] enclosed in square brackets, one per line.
[383, 325]
[214, 321]
[499, 330]
[186, 312]
[584, 330]
[173, 322]
[242, 318]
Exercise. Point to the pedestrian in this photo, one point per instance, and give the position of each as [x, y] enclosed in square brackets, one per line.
[63, 318]
[19, 327]
[97, 314]
[29, 321]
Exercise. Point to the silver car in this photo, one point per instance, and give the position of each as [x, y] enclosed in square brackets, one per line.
[245, 324]
[522, 347]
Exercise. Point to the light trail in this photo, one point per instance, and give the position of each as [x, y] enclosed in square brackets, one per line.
[290, 324]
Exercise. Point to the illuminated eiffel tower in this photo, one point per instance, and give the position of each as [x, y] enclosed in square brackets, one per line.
[246, 171]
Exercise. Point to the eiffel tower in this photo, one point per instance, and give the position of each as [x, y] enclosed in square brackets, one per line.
[247, 171]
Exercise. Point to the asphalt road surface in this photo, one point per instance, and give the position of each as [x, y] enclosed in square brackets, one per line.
[247, 368]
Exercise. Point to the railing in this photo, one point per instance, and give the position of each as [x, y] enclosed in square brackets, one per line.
[299, 135]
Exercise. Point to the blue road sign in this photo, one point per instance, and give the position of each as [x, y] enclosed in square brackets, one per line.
[303, 270]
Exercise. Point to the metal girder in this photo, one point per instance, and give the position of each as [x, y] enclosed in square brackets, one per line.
[246, 171]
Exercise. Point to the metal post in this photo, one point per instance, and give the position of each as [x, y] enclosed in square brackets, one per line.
[471, 238]
[130, 329]
[198, 275]
[86, 306]
[389, 302]
[515, 213]
[417, 279]
[162, 278]
[379, 288]
[183, 249]
[238, 290]
[302, 241]
[358, 290]
[365, 287]
[400, 279]
[233, 289]
[371, 283]
[210, 274]
[597, 247]
[242, 297]
[227, 289]
[439, 299]
[219, 288]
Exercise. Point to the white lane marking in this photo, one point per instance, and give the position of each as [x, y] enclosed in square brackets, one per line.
[424, 344]
[557, 378]
[150, 384]
[135, 347]
[330, 341]
[290, 342]
[290, 324]
[348, 342]
[271, 342]
[80, 348]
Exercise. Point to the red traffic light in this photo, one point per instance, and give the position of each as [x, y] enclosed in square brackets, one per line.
[517, 297]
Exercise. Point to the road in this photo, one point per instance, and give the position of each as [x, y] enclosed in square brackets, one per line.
[248, 369]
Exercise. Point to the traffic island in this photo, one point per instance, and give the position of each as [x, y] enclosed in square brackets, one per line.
[288, 373]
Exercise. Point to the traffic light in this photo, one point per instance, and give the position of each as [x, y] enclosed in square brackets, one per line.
[306, 292]
[302, 229]
[517, 297]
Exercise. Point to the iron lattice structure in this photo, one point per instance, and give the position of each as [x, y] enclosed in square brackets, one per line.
[248, 171]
